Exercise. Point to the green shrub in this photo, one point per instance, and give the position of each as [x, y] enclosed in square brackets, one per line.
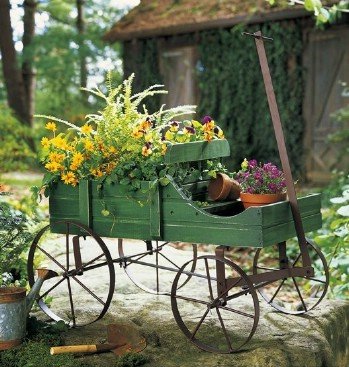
[17, 231]
[15, 153]
[334, 239]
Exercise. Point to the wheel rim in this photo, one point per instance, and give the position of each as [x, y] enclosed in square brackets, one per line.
[204, 318]
[65, 297]
[294, 295]
[137, 255]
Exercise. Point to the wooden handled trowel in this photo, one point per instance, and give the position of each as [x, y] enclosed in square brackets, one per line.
[121, 339]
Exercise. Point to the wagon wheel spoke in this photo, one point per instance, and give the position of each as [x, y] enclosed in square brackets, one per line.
[209, 279]
[67, 301]
[52, 288]
[296, 260]
[236, 311]
[266, 268]
[299, 294]
[213, 330]
[67, 245]
[170, 261]
[192, 300]
[277, 290]
[156, 255]
[295, 294]
[71, 302]
[88, 290]
[84, 266]
[224, 329]
[200, 323]
[52, 258]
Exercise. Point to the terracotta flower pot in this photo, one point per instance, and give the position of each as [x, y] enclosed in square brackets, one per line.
[260, 199]
[223, 187]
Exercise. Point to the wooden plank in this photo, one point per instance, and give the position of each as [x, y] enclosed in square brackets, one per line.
[197, 151]
[286, 230]
[85, 203]
[155, 214]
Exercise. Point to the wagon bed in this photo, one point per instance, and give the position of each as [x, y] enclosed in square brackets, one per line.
[167, 213]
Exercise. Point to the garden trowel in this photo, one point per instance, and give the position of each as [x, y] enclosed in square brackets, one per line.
[121, 338]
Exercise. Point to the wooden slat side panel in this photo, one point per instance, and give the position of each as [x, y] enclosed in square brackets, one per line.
[197, 151]
[285, 231]
[281, 212]
[217, 234]
[122, 228]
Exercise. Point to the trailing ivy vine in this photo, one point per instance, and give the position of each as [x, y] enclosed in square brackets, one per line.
[232, 90]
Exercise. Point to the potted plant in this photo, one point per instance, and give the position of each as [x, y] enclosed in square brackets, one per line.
[260, 183]
[124, 143]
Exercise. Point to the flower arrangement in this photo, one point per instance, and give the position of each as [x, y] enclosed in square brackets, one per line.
[259, 178]
[122, 143]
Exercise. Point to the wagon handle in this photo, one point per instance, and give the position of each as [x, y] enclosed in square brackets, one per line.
[275, 116]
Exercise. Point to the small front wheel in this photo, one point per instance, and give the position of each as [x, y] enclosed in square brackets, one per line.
[77, 296]
[215, 319]
[293, 295]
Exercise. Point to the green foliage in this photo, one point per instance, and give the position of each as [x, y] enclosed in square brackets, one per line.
[15, 153]
[59, 49]
[341, 136]
[323, 14]
[333, 239]
[132, 360]
[232, 89]
[15, 238]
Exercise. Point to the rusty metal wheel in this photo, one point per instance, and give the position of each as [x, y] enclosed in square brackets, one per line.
[163, 257]
[213, 320]
[77, 296]
[293, 295]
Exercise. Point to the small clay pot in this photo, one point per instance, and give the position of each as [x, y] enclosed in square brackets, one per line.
[223, 187]
[260, 199]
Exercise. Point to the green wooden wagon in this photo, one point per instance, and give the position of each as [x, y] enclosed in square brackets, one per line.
[209, 292]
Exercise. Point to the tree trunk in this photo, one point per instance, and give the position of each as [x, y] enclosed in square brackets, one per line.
[12, 75]
[27, 68]
[80, 25]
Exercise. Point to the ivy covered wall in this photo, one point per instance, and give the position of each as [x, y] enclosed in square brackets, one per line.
[232, 90]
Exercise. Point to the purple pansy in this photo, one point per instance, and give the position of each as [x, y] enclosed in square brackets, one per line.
[206, 119]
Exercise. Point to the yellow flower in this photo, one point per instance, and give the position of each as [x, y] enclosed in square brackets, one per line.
[53, 166]
[51, 126]
[96, 172]
[112, 150]
[77, 160]
[89, 145]
[169, 135]
[208, 126]
[69, 178]
[109, 167]
[136, 133]
[244, 164]
[163, 149]
[148, 138]
[208, 136]
[45, 142]
[86, 129]
[60, 143]
[56, 157]
[145, 125]
[146, 151]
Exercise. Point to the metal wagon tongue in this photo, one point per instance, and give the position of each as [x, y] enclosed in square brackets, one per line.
[121, 338]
